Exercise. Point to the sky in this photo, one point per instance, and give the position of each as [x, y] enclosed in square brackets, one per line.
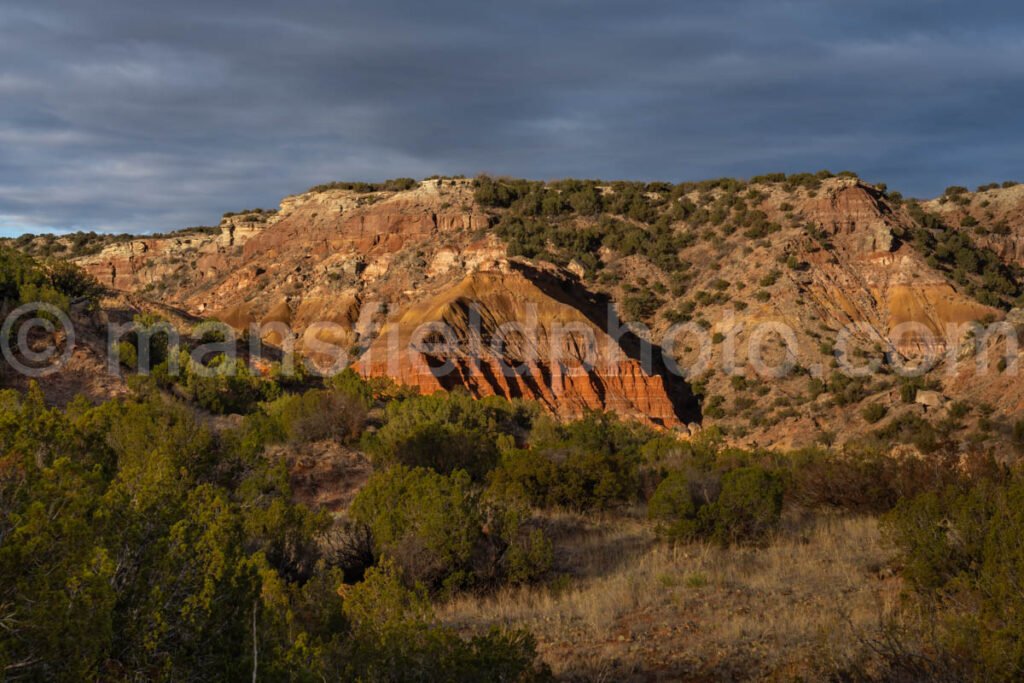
[139, 116]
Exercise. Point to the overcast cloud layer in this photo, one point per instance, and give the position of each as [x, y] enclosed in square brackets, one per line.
[137, 116]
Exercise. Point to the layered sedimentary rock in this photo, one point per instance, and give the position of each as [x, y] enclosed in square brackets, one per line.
[498, 332]
[334, 222]
[852, 212]
[334, 267]
[886, 292]
[355, 271]
[133, 265]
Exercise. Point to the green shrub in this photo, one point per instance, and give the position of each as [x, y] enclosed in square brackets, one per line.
[319, 414]
[959, 409]
[641, 306]
[427, 523]
[23, 279]
[127, 355]
[528, 557]
[538, 222]
[913, 429]
[591, 463]
[713, 406]
[500, 193]
[960, 553]
[160, 550]
[158, 546]
[748, 508]
[987, 277]
[741, 505]
[674, 509]
[866, 479]
[71, 280]
[392, 185]
[873, 412]
[593, 480]
[526, 476]
[447, 432]
[225, 388]
[395, 637]
[741, 403]
[431, 526]
[770, 278]
[349, 382]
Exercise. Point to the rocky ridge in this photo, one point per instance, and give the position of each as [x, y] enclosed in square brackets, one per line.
[352, 269]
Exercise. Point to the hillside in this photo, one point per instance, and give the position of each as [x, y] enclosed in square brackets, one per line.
[814, 257]
[736, 524]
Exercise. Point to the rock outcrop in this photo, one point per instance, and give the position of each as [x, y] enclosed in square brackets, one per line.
[331, 266]
[498, 332]
[814, 259]
[853, 212]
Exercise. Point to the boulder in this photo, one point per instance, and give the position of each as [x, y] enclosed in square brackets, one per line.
[929, 399]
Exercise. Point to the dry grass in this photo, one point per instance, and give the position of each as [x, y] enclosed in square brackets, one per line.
[634, 609]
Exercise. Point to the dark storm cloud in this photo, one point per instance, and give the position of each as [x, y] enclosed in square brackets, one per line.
[151, 116]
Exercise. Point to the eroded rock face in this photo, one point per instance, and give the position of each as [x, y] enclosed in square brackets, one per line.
[883, 290]
[336, 222]
[895, 301]
[499, 333]
[359, 272]
[851, 211]
[136, 264]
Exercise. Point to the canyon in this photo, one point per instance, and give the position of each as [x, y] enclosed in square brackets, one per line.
[793, 266]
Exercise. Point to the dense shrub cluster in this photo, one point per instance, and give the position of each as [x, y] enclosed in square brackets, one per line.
[428, 523]
[314, 415]
[632, 218]
[979, 270]
[865, 479]
[705, 491]
[739, 505]
[394, 637]
[456, 478]
[808, 181]
[23, 279]
[439, 532]
[250, 214]
[635, 218]
[448, 432]
[960, 551]
[136, 543]
[592, 463]
[170, 549]
[641, 305]
[909, 428]
[49, 245]
[392, 185]
[562, 242]
[222, 387]
[219, 384]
